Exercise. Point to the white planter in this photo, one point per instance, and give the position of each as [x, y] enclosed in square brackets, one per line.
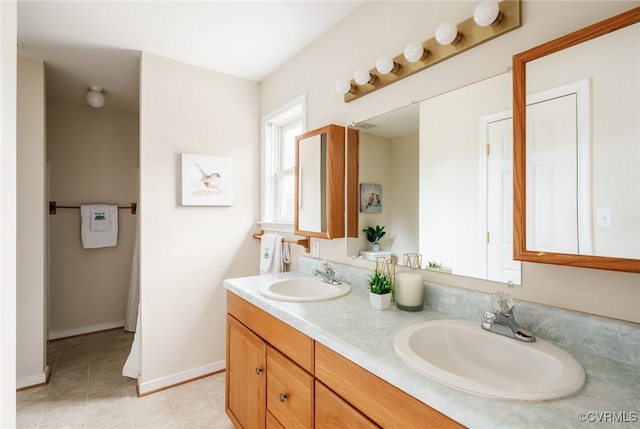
[380, 302]
[375, 247]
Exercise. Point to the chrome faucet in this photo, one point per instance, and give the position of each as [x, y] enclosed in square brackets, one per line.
[502, 321]
[329, 275]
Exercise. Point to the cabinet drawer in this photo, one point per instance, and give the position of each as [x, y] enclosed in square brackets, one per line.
[334, 412]
[365, 392]
[289, 391]
[272, 423]
[288, 340]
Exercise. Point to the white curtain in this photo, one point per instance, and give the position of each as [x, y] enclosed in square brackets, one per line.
[133, 298]
[132, 313]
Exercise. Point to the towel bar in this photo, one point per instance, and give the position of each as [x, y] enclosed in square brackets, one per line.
[53, 206]
[304, 242]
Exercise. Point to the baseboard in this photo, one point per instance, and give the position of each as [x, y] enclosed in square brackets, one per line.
[179, 378]
[34, 380]
[54, 335]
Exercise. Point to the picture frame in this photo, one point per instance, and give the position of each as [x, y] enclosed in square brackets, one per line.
[370, 198]
[206, 180]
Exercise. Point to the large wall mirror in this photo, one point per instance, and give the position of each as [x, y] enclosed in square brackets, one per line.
[577, 148]
[440, 172]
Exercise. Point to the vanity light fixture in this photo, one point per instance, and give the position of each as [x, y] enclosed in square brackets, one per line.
[344, 85]
[450, 39]
[362, 77]
[414, 52]
[95, 97]
[488, 13]
[447, 34]
[386, 65]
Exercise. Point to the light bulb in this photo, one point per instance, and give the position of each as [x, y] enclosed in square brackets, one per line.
[486, 13]
[343, 86]
[385, 65]
[414, 52]
[446, 33]
[362, 76]
[95, 97]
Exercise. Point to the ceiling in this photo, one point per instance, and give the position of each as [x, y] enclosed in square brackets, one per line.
[99, 42]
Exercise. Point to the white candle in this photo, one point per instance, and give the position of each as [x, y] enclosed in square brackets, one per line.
[409, 291]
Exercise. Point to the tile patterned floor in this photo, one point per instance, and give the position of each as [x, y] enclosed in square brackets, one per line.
[87, 390]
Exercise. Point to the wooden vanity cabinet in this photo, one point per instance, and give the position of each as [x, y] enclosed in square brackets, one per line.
[246, 399]
[279, 378]
[290, 392]
[380, 401]
[269, 370]
[334, 412]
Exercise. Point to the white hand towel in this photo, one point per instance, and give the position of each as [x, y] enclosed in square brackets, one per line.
[100, 217]
[97, 239]
[274, 254]
[267, 250]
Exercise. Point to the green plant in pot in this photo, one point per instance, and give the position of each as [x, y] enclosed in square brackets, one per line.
[380, 287]
[374, 235]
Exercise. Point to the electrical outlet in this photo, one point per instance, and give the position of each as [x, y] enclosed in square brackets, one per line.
[315, 248]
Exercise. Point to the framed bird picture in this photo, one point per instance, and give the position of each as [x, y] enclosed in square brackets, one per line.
[370, 198]
[206, 180]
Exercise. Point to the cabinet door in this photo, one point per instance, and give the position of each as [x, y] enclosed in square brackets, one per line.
[334, 412]
[246, 376]
[289, 391]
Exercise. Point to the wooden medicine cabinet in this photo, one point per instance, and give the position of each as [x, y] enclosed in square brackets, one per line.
[319, 183]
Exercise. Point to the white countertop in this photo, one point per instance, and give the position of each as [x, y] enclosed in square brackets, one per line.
[352, 328]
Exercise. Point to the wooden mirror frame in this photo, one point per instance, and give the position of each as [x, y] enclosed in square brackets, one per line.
[519, 149]
[335, 183]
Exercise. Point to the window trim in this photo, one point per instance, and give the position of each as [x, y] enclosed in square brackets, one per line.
[268, 203]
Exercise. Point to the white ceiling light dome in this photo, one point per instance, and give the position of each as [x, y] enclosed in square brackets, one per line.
[95, 97]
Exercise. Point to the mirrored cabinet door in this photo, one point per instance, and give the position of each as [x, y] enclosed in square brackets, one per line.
[320, 191]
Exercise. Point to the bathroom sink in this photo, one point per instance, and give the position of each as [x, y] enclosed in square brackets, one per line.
[460, 354]
[303, 289]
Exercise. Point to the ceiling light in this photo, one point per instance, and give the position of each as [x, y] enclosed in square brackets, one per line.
[95, 97]
[486, 13]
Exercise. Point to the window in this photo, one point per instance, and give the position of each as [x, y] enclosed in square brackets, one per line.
[279, 130]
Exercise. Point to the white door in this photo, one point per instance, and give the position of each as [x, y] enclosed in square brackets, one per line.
[500, 264]
[552, 175]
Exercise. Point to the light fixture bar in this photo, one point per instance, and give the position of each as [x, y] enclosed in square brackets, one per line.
[472, 35]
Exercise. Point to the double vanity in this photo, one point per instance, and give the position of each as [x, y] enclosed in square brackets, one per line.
[352, 361]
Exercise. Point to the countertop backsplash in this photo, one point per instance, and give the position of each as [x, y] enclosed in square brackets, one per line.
[611, 338]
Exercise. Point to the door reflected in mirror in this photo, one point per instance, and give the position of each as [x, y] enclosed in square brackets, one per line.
[446, 196]
[599, 214]
[600, 227]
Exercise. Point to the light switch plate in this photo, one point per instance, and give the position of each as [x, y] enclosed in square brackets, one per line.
[604, 217]
[315, 248]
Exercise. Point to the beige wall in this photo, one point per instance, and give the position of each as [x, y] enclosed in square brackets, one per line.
[31, 225]
[357, 41]
[187, 252]
[8, 67]
[93, 158]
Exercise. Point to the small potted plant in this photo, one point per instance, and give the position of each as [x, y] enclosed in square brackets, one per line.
[380, 288]
[374, 235]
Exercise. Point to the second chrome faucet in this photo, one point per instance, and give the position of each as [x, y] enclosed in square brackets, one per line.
[502, 321]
